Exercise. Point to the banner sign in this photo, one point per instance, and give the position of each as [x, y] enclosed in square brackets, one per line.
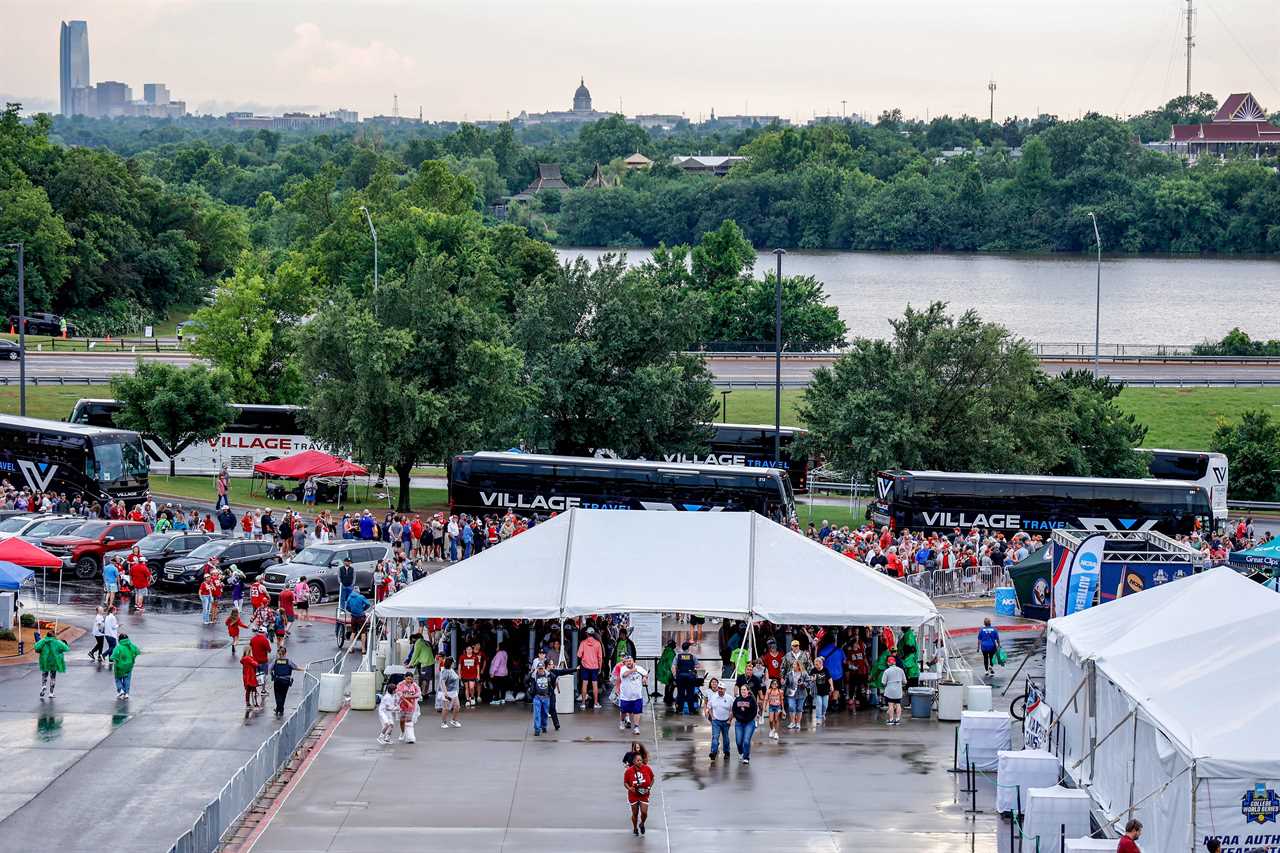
[1130, 578]
[1035, 727]
[1061, 564]
[1242, 814]
[646, 633]
[1085, 574]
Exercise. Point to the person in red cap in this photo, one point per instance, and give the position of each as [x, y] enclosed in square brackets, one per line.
[893, 681]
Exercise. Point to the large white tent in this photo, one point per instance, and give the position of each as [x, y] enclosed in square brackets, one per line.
[1182, 699]
[719, 564]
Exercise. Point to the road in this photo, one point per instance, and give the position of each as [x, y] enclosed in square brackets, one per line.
[796, 371]
[736, 371]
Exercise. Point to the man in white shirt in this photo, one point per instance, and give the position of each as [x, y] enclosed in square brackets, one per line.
[719, 710]
[631, 689]
[893, 681]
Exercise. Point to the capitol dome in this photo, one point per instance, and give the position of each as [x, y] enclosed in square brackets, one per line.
[582, 98]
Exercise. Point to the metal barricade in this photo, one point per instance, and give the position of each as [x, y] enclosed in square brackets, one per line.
[248, 782]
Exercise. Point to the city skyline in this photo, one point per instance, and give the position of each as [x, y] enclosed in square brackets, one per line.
[318, 57]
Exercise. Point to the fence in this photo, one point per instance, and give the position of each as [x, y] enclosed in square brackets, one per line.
[960, 583]
[238, 794]
[41, 343]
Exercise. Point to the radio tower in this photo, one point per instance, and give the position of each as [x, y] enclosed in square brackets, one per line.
[395, 106]
[991, 87]
[1190, 44]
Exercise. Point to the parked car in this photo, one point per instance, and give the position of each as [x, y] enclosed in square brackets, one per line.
[10, 349]
[252, 556]
[83, 550]
[320, 564]
[40, 323]
[59, 525]
[17, 525]
[159, 549]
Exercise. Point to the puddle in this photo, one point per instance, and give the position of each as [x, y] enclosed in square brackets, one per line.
[119, 719]
[48, 727]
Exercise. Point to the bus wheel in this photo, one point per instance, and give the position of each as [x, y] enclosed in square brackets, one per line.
[86, 568]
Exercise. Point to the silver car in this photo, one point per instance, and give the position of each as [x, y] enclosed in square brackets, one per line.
[320, 563]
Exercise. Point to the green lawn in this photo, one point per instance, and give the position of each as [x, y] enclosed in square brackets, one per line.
[203, 489]
[53, 402]
[755, 406]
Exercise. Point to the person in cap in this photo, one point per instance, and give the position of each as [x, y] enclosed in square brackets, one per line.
[892, 683]
[346, 581]
[590, 657]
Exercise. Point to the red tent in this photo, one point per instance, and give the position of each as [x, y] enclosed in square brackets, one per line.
[15, 550]
[308, 463]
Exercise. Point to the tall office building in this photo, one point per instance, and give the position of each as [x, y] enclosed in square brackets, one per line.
[155, 94]
[73, 62]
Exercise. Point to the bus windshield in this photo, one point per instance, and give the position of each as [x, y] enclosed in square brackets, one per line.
[119, 460]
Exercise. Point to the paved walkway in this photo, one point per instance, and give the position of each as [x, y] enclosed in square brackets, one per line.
[86, 772]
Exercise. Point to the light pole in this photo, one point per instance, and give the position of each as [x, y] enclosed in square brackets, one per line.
[22, 331]
[777, 360]
[373, 231]
[1097, 307]
[724, 405]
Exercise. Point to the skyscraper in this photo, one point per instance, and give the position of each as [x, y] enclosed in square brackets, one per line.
[73, 62]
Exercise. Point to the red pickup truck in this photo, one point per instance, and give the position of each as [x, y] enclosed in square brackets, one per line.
[83, 550]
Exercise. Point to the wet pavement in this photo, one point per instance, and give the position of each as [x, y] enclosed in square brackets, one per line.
[86, 772]
[852, 785]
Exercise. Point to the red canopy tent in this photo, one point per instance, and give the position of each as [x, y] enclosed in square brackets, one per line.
[22, 553]
[308, 463]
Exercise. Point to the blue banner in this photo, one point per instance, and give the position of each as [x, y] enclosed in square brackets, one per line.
[1085, 575]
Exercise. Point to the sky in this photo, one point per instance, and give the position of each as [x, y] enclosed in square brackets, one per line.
[489, 59]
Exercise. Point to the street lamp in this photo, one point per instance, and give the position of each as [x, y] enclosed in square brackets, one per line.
[1097, 307]
[777, 361]
[724, 405]
[373, 231]
[22, 331]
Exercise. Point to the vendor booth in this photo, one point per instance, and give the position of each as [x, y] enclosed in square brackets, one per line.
[330, 472]
[1163, 701]
[1264, 558]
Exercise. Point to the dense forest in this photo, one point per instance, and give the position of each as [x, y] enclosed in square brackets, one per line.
[125, 219]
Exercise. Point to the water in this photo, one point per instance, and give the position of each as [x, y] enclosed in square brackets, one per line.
[1147, 300]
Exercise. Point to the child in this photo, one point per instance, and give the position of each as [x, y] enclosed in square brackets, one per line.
[773, 701]
[388, 710]
[408, 694]
[249, 678]
[234, 624]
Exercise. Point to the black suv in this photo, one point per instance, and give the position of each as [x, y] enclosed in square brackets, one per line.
[252, 556]
[160, 549]
[42, 324]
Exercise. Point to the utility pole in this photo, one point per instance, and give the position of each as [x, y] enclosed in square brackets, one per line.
[1190, 44]
[843, 101]
[22, 331]
[373, 231]
[1097, 307]
[991, 114]
[777, 361]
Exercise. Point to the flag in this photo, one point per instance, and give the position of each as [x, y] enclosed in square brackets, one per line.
[1085, 574]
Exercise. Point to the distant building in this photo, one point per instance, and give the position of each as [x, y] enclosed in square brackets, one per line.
[73, 64]
[113, 98]
[84, 101]
[656, 121]
[1240, 127]
[599, 180]
[288, 121]
[637, 161]
[747, 122]
[717, 165]
[346, 116]
[582, 112]
[393, 120]
[548, 178]
[156, 94]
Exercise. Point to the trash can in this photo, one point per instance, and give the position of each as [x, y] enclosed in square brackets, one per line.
[1006, 601]
[977, 697]
[333, 688]
[363, 692]
[950, 702]
[921, 702]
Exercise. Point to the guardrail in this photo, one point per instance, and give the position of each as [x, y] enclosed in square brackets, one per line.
[1071, 358]
[1264, 506]
[1046, 348]
[971, 582]
[235, 798]
[57, 380]
[1157, 382]
[56, 344]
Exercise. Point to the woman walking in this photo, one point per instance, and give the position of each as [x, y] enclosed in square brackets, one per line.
[99, 636]
[52, 652]
[122, 658]
[638, 779]
[745, 710]
[822, 680]
[797, 691]
[282, 677]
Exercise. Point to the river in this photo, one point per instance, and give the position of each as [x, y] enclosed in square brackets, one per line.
[1145, 300]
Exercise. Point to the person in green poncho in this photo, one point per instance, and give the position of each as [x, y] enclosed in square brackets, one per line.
[881, 664]
[122, 658]
[909, 656]
[665, 675]
[423, 662]
[52, 662]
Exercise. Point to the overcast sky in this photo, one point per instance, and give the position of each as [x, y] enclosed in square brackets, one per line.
[481, 59]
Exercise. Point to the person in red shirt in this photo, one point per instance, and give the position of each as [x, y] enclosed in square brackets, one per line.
[286, 606]
[234, 624]
[136, 514]
[208, 524]
[249, 678]
[772, 661]
[140, 577]
[258, 596]
[260, 648]
[469, 672]
[1128, 841]
[638, 780]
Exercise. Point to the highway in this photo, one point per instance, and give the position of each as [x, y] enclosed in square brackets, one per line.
[729, 371]
[745, 371]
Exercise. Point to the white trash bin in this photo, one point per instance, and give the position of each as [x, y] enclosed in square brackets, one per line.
[566, 700]
[363, 691]
[977, 697]
[950, 702]
[333, 687]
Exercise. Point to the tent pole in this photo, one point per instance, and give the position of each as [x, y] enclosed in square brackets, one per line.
[1091, 696]
[1133, 763]
[1195, 783]
[751, 571]
[564, 575]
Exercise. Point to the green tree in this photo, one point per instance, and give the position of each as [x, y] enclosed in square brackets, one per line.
[417, 374]
[27, 217]
[175, 406]
[604, 354]
[1097, 437]
[1252, 446]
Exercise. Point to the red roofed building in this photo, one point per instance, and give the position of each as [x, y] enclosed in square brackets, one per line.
[1240, 127]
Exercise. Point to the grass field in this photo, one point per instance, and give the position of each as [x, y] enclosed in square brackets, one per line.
[203, 489]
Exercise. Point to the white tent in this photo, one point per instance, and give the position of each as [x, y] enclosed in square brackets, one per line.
[719, 564]
[1183, 696]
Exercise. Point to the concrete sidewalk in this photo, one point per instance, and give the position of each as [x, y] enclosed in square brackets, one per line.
[85, 772]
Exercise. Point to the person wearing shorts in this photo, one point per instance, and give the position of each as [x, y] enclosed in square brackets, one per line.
[631, 681]
[590, 657]
[469, 670]
[638, 780]
[893, 681]
[448, 690]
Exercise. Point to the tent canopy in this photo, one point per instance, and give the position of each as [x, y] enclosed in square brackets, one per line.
[15, 550]
[13, 576]
[1264, 556]
[718, 564]
[1177, 650]
[309, 463]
